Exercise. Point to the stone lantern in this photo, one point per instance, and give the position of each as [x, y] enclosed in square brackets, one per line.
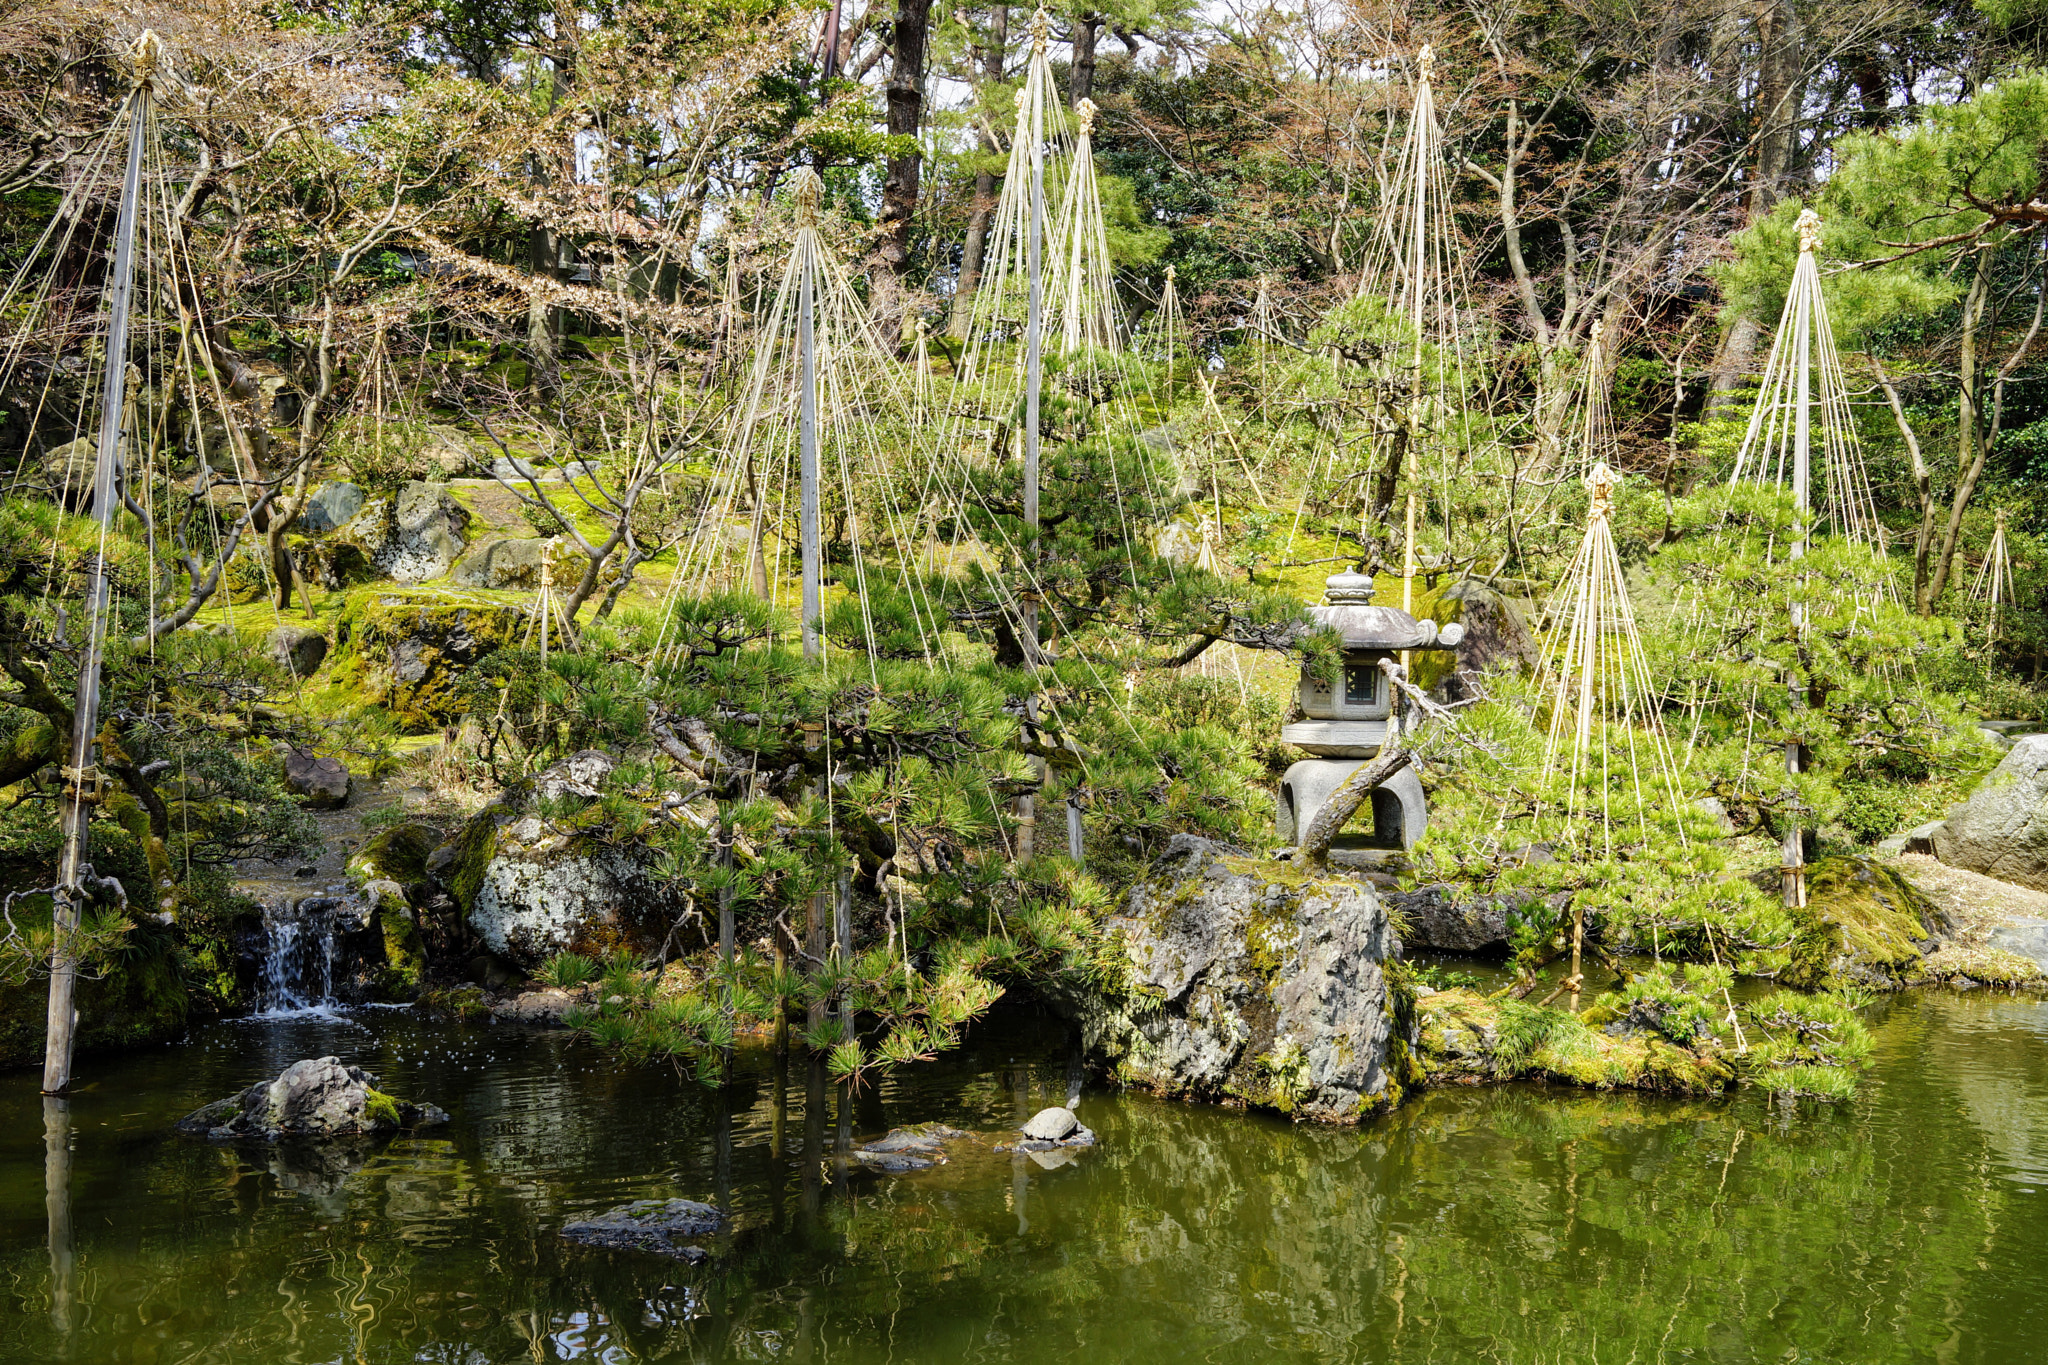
[1346, 723]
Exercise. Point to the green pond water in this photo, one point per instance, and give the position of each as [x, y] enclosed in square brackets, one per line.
[1520, 1224]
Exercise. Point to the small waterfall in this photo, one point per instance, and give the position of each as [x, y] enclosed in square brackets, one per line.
[302, 947]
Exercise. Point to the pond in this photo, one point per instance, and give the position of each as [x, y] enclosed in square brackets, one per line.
[1520, 1224]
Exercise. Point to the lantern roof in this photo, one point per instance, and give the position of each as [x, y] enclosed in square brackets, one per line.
[1364, 626]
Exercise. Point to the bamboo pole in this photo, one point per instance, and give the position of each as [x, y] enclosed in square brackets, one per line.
[807, 424]
[1793, 874]
[80, 776]
[1034, 368]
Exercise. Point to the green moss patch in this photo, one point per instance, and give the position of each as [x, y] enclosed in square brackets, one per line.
[407, 652]
[1466, 1037]
[1862, 923]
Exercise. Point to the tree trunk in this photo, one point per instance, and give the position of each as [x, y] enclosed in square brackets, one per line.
[1081, 75]
[543, 257]
[1973, 442]
[1777, 127]
[905, 112]
[975, 249]
[540, 317]
[1345, 801]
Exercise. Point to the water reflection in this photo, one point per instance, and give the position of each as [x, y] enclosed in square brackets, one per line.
[57, 1210]
[1511, 1225]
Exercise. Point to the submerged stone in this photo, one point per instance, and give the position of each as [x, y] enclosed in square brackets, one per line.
[663, 1227]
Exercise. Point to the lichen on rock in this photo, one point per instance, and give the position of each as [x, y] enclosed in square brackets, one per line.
[1251, 982]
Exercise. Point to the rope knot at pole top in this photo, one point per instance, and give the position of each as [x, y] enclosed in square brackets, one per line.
[1809, 231]
[1041, 32]
[809, 190]
[1085, 112]
[149, 67]
[1425, 62]
[1601, 480]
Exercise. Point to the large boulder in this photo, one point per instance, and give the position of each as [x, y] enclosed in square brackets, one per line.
[1435, 917]
[534, 884]
[317, 1098]
[502, 563]
[1496, 637]
[2002, 830]
[429, 524]
[68, 472]
[413, 538]
[1253, 982]
[414, 650]
[1862, 924]
[320, 781]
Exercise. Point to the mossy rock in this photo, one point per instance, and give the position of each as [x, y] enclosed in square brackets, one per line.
[467, 856]
[1466, 1037]
[334, 564]
[408, 652]
[398, 853]
[1863, 924]
[405, 954]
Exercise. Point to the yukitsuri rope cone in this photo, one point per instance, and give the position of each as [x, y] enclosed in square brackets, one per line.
[1432, 418]
[807, 434]
[1803, 380]
[1605, 727]
[1993, 584]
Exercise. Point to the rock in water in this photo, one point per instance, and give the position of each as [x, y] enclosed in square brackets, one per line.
[315, 1098]
[1253, 982]
[296, 649]
[322, 780]
[1051, 1125]
[1436, 917]
[661, 1226]
[1862, 923]
[909, 1149]
[2002, 830]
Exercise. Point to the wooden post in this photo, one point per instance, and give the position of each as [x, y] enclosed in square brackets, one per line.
[80, 776]
[725, 937]
[57, 1209]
